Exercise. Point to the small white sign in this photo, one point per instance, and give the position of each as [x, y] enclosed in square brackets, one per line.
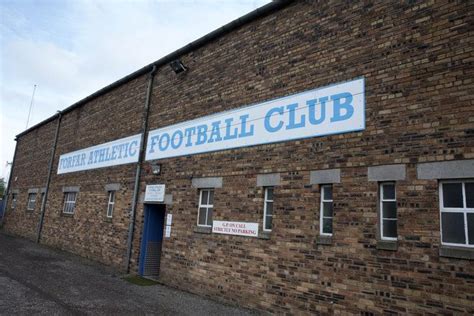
[168, 231]
[235, 228]
[155, 193]
[169, 218]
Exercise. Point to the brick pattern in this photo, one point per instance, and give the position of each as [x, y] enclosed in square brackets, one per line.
[88, 232]
[417, 60]
[33, 153]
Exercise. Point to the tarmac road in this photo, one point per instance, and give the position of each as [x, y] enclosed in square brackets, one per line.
[35, 279]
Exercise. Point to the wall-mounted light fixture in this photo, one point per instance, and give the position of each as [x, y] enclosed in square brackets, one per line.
[156, 169]
[177, 66]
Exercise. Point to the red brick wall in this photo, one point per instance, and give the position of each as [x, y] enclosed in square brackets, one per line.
[88, 232]
[417, 62]
[30, 171]
[418, 69]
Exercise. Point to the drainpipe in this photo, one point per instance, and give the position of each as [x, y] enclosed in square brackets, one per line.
[50, 170]
[146, 111]
[5, 204]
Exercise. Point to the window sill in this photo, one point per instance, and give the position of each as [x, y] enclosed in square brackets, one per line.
[202, 230]
[264, 235]
[67, 214]
[456, 252]
[387, 245]
[324, 240]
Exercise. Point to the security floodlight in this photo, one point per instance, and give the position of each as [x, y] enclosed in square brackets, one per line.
[156, 169]
[178, 66]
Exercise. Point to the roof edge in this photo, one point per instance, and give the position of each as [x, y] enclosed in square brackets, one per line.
[227, 28]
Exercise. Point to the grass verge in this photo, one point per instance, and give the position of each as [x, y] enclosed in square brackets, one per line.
[138, 280]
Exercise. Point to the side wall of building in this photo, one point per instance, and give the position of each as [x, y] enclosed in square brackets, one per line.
[417, 63]
[88, 232]
[29, 174]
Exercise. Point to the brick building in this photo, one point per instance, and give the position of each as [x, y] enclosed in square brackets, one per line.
[314, 156]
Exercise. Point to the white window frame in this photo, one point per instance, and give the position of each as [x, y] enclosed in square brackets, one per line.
[30, 207]
[321, 210]
[206, 206]
[265, 203]
[14, 198]
[465, 210]
[111, 204]
[382, 200]
[69, 205]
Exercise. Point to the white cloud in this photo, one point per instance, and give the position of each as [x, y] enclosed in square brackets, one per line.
[72, 49]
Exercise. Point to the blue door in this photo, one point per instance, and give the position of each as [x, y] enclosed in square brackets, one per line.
[150, 250]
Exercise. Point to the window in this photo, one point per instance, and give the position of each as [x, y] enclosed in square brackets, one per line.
[69, 202]
[268, 209]
[31, 201]
[206, 204]
[110, 204]
[388, 212]
[14, 197]
[457, 213]
[326, 210]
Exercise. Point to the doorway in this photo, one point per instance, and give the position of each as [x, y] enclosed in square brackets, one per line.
[152, 239]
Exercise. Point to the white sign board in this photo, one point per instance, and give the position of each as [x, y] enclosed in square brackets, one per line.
[335, 109]
[168, 232]
[235, 228]
[117, 152]
[155, 193]
[169, 218]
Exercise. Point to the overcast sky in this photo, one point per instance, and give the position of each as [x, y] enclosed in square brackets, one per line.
[71, 49]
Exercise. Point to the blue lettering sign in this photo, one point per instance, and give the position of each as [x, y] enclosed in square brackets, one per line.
[339, 106]
[308, 114]
[117, 152]
[270, 128]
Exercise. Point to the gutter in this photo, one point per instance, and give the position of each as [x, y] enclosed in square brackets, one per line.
[141, 155]
[50, 169]
[229, 27]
